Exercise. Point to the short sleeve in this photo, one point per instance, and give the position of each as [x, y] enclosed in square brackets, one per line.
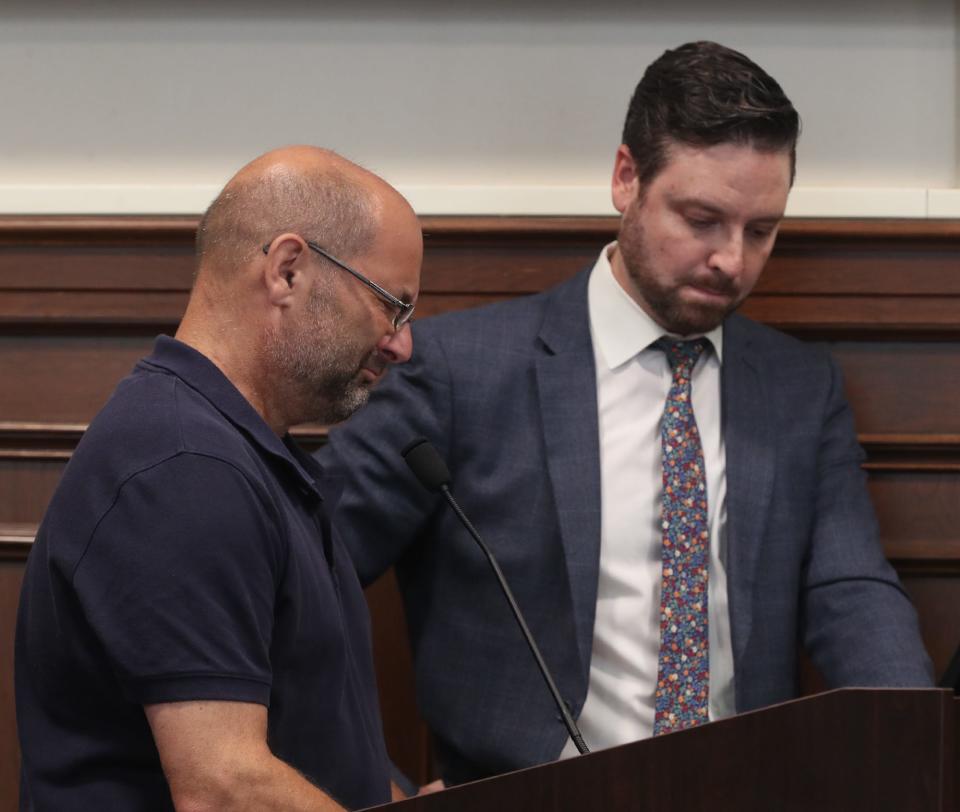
[179, 580]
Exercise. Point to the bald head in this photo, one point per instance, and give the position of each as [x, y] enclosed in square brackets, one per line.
[307, 190]
[299, 338]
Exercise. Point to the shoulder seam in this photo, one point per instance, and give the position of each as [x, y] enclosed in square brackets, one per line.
[155, 464]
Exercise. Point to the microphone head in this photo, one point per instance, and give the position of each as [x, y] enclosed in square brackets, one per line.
[427, 464]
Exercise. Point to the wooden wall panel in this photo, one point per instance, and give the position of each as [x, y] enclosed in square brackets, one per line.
[919, 513]
[11, 574]
[26, 485]
[90, 253]
[82, 298]
[935, 597]
[407, 738]
[65, 377]
[903, 387]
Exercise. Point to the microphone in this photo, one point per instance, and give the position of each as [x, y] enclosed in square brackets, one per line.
[432, 472]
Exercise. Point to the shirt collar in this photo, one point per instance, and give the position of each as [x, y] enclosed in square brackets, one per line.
[622, 329]
[206, 378]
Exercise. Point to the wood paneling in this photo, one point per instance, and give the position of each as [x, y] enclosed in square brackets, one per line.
[26, 485]
[903, 387]
[63, 378]
[935, 597]
[11, 574]
[82, 297]
[407, 737]
[836, 275]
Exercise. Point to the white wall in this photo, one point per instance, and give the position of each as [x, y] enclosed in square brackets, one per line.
[495, 106]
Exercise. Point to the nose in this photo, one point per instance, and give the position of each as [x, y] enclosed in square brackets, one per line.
[728, 257]
[397, 347]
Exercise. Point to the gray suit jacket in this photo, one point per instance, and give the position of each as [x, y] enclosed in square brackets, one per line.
[507, 393]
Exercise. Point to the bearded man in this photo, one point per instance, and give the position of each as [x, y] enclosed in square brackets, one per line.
[673, 491]
[191, 632]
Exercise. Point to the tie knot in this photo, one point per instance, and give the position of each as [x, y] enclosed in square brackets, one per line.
[681, 352]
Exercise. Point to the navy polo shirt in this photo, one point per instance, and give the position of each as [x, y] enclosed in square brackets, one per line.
[187, 555]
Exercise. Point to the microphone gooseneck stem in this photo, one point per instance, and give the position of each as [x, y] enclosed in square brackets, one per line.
[571, 725]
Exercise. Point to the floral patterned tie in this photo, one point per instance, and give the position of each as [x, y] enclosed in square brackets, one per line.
[683, 672]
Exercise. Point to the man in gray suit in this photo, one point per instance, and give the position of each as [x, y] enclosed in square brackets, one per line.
[673, 491]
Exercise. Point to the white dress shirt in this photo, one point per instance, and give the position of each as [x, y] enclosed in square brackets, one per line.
[633, 381]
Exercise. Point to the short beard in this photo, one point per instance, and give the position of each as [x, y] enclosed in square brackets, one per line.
[674, 315]
[319, 363]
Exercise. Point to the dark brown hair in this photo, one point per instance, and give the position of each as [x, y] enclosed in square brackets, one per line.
[703, 94]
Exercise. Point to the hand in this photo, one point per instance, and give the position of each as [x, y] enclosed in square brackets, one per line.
[433, 786]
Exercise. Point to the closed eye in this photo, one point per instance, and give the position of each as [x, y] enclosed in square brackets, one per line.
[761, 232]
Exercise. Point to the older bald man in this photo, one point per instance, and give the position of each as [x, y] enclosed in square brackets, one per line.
[191, 633]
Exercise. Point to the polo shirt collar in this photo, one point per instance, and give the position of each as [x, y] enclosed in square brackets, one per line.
[202, 375]
[622, 329]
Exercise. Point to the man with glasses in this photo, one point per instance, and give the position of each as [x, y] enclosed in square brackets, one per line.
[191, 631]
[673, 491]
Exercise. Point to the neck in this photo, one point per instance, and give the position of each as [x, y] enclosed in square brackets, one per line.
[622, 276]
[230, 348]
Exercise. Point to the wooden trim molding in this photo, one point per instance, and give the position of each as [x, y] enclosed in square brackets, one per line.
[56, 441]
[826, 277]
[16, 540]
[39, 441]
[70, 228]
[885, 452]
[912, 452]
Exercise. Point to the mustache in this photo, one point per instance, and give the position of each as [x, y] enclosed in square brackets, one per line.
[716, 283]
[375, 362]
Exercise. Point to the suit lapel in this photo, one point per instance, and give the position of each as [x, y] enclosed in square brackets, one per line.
[568, 407]
[750, 451]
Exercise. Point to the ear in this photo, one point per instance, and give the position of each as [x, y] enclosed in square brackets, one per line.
[626, 184]
[283, 269]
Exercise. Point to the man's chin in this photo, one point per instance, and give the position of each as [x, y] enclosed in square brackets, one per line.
[354, 396]
[695, 319]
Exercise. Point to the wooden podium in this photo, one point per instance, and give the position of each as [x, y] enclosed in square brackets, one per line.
[846, 750]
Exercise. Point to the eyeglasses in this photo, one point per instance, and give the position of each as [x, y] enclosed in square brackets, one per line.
[404, 310]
